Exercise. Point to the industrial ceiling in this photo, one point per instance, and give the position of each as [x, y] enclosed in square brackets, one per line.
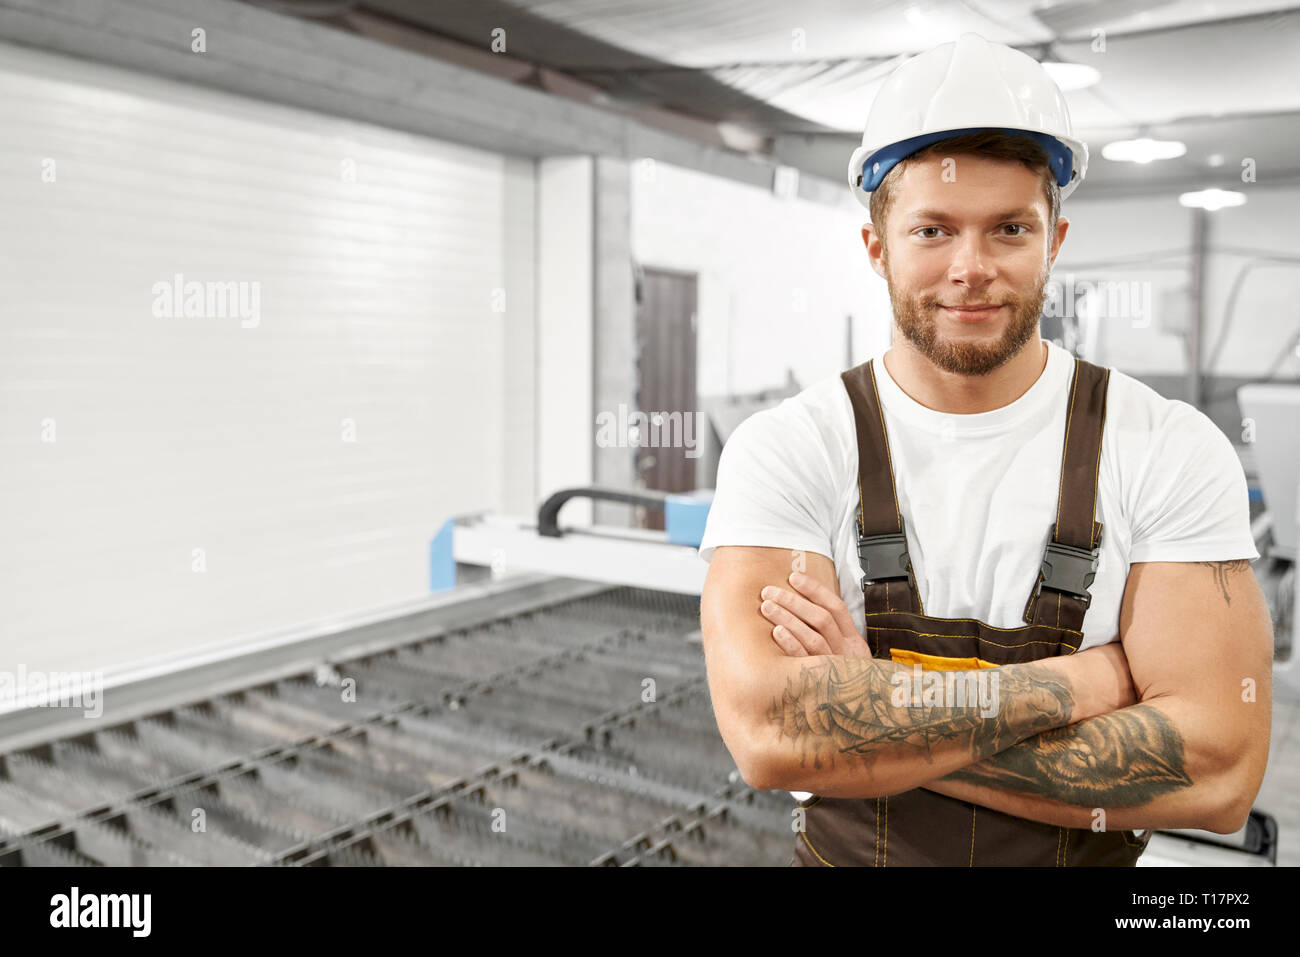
[794, 84]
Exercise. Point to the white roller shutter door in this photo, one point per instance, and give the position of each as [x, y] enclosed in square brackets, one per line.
[173, 482]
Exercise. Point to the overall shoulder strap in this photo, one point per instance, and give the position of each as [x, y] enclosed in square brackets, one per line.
[887, 582]
[1060, 595]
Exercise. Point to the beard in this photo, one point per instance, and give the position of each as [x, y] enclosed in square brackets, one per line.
[917, 317]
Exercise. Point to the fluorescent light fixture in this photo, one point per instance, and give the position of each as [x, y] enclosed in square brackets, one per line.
[1212, 199]
[1143, 150]
[1071, 76]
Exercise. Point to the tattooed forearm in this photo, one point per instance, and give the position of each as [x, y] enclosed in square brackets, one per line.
[1222, 571]
[1122, 759]
[850, 710]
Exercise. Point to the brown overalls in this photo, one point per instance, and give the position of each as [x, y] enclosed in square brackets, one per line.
[920, 826]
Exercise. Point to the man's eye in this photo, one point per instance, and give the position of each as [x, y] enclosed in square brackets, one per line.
[928, 229]
[1015, 226]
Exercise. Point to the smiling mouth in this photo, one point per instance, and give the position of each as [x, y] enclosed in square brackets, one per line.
[971, 313]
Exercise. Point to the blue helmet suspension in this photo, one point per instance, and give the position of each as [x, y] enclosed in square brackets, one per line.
[878, 164]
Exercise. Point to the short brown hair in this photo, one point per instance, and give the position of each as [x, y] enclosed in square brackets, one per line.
[987, 143]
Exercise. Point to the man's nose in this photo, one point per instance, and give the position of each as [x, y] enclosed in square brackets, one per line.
[972, 262]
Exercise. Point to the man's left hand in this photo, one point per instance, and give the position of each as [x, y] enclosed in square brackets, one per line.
[810, 619]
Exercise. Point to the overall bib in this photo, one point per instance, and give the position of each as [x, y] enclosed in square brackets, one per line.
[919, 826]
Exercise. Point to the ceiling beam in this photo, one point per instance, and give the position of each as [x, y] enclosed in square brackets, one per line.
[271, 57]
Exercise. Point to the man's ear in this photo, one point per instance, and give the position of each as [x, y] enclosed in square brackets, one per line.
[1062, 224]
[875, 250]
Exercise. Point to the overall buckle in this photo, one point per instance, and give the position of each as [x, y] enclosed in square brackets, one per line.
[1070, 570]
[883, 558]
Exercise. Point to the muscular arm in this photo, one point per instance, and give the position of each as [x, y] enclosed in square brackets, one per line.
[1191, 753]
[837, 725]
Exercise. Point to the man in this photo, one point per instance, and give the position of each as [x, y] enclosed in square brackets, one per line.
[920, 497]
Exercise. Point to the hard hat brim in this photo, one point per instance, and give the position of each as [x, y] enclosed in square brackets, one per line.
[868, 166]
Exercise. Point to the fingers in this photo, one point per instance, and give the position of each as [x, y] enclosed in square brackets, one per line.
[788, 642]
[817, 630]
[791, 631]
[827, 599]
[811, 613]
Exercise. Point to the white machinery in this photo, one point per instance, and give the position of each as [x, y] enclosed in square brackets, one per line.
[663, 560]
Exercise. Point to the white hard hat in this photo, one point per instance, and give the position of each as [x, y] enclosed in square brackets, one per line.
[965, 87]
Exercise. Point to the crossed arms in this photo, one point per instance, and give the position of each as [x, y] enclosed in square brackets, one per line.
[1167, 728]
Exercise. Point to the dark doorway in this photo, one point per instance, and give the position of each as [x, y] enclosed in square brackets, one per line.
[665, 337]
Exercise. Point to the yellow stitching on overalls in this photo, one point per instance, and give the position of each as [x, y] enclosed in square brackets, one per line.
[877, 862]
[1065, 855]
[1059, 832]
[862, 508]
[972, 835]
[877, 614]
[893, 481]
[998, 644]
[885, 856]
[1069, 418]
[862, 528]
[805, 836]
[1096, 478]
[814, 850]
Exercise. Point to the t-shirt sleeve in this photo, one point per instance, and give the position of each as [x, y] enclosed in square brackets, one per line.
[1192, 503]
[774, 487]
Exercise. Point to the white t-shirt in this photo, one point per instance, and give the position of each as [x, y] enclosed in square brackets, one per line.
[978, 492]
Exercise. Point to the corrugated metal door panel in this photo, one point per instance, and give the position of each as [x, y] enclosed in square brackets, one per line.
[309, 438]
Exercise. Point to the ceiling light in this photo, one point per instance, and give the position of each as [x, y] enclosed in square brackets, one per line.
[1212, 199]
[1143, 150]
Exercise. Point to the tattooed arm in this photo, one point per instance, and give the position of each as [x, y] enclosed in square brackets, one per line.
[1191, 754]
[842, 726]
